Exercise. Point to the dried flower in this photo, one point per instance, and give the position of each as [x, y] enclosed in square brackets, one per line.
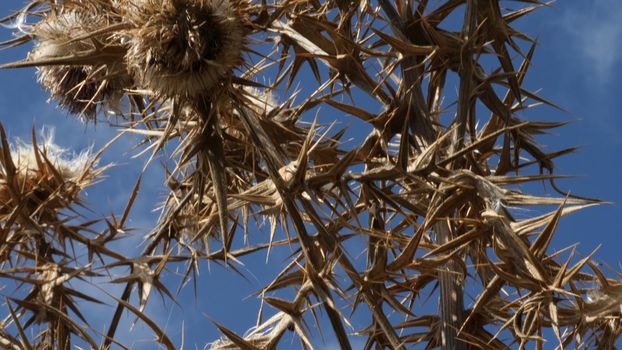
[46, 177]
[183, 48]
[81, 71]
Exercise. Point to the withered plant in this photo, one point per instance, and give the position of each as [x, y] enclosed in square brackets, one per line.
[369, 151]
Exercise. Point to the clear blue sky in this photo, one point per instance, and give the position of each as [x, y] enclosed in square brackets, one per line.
[577, 65]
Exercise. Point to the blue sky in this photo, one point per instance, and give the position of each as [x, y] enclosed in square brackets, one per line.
[577, 65]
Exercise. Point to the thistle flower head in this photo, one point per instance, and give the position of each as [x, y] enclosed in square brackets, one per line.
[182, 48]
[45, 176]
[56, 34]
[77, 87]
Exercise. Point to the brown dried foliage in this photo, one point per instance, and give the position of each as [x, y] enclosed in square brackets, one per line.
[431, 194]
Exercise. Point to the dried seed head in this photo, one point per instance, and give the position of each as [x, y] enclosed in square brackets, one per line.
[56, 33]
[77, 88]
[73, 88]
[182, 48]
[46, 176]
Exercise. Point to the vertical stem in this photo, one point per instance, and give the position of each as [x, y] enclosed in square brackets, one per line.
[452, 294]
[452, 299]
[451, 306]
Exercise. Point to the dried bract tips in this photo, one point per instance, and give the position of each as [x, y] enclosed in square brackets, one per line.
[183, 48]
[261, 102]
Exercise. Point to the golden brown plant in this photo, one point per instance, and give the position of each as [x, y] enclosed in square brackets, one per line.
[40, 186]
[430, 180]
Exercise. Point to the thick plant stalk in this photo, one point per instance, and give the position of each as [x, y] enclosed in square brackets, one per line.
[450, 278]
[451, 305]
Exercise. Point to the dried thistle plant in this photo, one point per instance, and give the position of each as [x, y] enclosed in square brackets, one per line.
[432, 190]
[40, 187]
